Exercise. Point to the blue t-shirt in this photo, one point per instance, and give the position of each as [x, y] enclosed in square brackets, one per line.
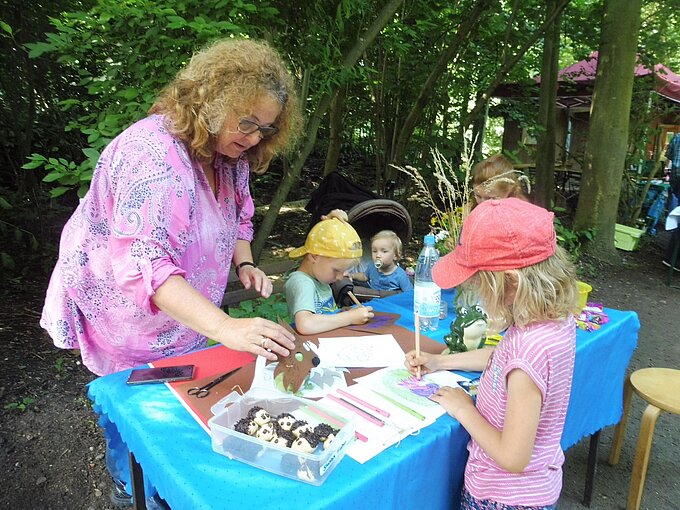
[397, 280]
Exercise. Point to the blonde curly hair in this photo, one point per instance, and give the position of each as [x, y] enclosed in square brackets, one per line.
[229, 77]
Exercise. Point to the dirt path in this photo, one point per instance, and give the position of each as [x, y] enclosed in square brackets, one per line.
[52, 454]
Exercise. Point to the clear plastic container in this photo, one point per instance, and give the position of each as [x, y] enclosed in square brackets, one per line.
[312, 468]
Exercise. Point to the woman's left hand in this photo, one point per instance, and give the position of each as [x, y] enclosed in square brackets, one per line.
[452, 399]
[254, 277]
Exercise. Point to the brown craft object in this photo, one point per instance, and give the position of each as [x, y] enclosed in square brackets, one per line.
[295, 370]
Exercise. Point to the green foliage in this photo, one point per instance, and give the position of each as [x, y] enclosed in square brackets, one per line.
[123, 54]
[21, 405]
[569, 239]
[270, 308]
[16, 238]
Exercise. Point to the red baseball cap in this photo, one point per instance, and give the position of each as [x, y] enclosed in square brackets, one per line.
[498, 235]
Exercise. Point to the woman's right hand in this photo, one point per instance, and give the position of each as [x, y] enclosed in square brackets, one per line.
[426, 361]
[257, 336]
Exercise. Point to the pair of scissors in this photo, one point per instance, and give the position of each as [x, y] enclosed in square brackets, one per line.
[204, 391]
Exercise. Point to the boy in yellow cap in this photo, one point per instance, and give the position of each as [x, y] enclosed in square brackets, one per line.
[331, 249]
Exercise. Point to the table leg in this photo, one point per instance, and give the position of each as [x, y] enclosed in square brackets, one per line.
[592, 468]
[137, 482]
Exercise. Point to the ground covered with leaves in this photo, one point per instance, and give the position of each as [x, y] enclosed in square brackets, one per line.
[52, 450]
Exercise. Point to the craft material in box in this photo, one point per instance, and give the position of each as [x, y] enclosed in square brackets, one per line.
[626, 238]
[312, 468]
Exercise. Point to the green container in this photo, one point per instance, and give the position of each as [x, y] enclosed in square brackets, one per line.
[626, 238]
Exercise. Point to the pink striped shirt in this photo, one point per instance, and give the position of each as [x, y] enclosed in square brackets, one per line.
[545, 352]
[149, 214]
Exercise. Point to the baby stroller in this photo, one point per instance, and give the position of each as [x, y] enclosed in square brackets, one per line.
[368, 214]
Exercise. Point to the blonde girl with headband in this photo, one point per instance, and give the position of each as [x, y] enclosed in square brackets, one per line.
[496, 178]
[385, 272]
[331, 249]
[508, 258]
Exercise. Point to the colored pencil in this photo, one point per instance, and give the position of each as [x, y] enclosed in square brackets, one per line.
[367, 405]
[354, 298]
[334, 420]
[401, 406]
[348, 405]
[416, 319]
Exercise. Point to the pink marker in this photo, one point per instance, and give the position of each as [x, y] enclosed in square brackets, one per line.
[367, 405]
[348, 405]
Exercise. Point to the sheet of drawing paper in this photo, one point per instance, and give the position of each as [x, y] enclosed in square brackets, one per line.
[397, 383]
[398, 425]
[360, 351]
[322, 380]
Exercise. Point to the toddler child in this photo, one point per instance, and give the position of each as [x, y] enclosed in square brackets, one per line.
[508, 258]
[385, 273]
[332, 248]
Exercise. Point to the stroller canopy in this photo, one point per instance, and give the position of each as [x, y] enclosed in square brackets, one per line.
[368, 213]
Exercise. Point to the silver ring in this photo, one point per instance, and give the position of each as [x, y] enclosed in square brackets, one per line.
[264, 339]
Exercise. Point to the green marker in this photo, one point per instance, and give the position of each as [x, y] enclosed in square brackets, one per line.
[400, 405]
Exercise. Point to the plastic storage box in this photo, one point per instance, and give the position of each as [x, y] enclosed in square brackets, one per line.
[626, 238]
[312, 468]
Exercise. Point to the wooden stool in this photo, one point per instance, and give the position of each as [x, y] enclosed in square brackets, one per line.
[661, 388]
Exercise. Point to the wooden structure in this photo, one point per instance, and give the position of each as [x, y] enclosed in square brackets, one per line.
[574, 97]
[660, 388]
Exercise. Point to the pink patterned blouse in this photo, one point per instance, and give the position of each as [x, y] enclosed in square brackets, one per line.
[150, 213]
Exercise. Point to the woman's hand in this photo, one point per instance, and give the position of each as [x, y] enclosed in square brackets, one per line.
[453, 400]
[255, 277]
[360, 314]
[426, 361]
[336, 213]
[257, 336]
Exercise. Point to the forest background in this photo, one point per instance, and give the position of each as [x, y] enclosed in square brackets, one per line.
[385, 84]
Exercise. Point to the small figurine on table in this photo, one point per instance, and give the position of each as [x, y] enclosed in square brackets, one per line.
[468, 331]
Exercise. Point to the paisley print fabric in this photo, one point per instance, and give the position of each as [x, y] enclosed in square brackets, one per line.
[150, 213]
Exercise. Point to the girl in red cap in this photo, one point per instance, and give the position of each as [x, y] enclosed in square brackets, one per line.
[508, 259]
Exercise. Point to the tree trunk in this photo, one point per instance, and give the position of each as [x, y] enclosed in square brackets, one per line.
[545, 153]
[608, 133]
[293, 174]
[335, 124]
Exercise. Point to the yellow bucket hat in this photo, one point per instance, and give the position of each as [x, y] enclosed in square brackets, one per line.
[331, 238]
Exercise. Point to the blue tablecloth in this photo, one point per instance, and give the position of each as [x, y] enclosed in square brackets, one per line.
[423, 471]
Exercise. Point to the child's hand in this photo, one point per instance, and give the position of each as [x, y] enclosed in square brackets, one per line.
[426, 361]
[360, 314]
[453, 400]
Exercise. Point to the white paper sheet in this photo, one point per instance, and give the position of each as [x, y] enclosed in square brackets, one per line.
[400, 423]
[369, 351]
[322, 379]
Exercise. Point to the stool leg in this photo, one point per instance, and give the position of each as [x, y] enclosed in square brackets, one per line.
[644, 447]
[620, 431]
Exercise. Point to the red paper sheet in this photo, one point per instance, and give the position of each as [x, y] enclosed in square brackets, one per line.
[209, 364]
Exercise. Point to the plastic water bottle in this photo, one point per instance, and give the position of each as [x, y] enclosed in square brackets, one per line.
[427, 295]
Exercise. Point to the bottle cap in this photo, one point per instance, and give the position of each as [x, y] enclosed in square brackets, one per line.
[429, 240]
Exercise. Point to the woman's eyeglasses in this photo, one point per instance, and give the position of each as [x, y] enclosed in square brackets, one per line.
[248, 127]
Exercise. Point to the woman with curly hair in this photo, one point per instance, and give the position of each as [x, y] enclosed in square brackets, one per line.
[144, 260]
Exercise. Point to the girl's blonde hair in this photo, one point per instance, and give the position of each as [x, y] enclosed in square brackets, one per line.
[391, 236]
[227, 79]
[545, 291]
[497, 175]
